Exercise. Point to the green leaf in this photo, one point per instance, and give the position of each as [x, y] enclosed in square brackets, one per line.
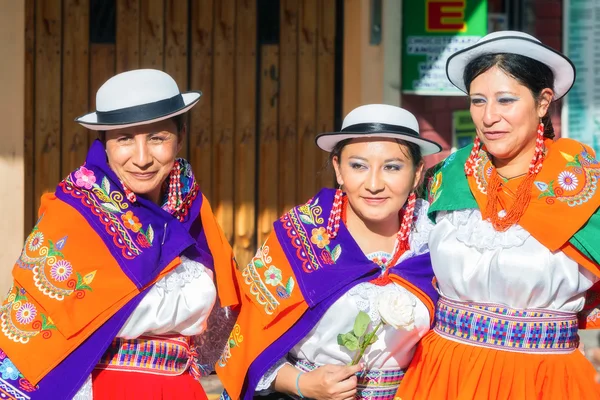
[289, 286]
[373, 339]
[231, 343]
[306, 219]
[110, 207]
[349, 341]
[336, 252]
[361, 323]
[150, 234]
[258, 263]
[105, 185]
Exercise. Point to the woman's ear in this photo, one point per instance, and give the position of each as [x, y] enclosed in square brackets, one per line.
[545, 99]
[419, 175]
[181, 137]
[338, 173]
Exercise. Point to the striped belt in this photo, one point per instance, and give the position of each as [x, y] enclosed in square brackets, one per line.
[159, 355]
[498, 327]
[375, 384]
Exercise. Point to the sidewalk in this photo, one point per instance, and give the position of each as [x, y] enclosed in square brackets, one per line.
[212, 387]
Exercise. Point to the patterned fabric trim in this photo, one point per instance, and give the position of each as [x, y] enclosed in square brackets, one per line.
[375, 384]
[501, 328]
[158, 355]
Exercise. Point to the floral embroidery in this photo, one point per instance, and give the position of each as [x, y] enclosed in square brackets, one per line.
[273, 276]
[26, 313]
[131, 221]
[31, 322]
[320, 237]
[567, 180]
[235, 338]
[85, 178]
[36, 241]
[581, 178]
[112, 210]
[483, 171]
[8, 370]
[49, 260]
[61, 271]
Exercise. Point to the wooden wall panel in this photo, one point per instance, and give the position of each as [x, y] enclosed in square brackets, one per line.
[176, 50]
[268, 161]
[75, 83]
[201, 71]
[245, 131]
[224, 114]
[307, 91]
[152, 33]
[47, 122]
[29, 134]
[288, 104]
[128, 35]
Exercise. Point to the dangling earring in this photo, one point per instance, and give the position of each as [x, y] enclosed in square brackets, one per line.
[407, 221]
[333, 224]
[538, 155]
[473, 159]
[174, 196]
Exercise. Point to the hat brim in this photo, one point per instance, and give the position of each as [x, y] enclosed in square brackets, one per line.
[90, 120]
[327, 141]
[562, 68]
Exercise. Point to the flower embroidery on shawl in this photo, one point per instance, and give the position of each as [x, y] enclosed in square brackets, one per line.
[36, 241]
[61, 271]
[435, 185]
[297, 223]
[576, 184]
[8, 370]
[131, 221]
[52, 273]
[567, 180]
[320, 237]
[26, 313]
[84, 178]
[112, 209]
[273, 276]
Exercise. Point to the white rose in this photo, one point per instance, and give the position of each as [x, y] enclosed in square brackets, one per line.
[397, 308]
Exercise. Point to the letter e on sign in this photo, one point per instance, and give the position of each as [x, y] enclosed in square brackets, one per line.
[445, 16]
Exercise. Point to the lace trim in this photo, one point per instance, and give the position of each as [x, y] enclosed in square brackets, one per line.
[265, 383]
[183, 274]
[85, 392]
[475, 232]
[419, 236]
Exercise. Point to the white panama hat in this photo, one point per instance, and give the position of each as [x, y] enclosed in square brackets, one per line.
[137, 97]
[514, 42]
[378, 121]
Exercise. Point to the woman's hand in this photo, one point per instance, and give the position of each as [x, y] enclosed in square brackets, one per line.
[329, 382]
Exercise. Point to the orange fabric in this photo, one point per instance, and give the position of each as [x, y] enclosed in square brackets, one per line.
[443, 369]
[60, 325]
[224, 260]
[570, 203]
[263, 317]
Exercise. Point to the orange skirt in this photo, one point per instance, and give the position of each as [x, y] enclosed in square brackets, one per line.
[117, 385]
[445, 369]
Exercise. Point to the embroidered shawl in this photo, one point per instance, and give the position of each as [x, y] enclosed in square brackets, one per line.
[291, 282]
[85, 267]
[563, 212]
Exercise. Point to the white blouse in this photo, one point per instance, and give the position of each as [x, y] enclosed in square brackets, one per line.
[474, 262]
[394, 348]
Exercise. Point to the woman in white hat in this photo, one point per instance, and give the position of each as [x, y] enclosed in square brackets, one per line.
[116, 281]
[341, 292]
[514, 248]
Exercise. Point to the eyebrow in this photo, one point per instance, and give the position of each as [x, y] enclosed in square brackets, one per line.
[386, 161]
[497, 93]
